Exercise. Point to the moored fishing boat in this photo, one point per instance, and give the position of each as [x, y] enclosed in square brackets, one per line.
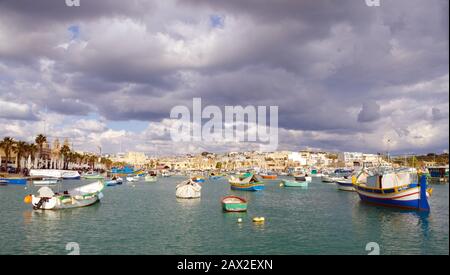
[46, 181]
[302, 178]
[316, 176]
[150, 178]
[15, 181]
[133, 179]
[328, 179]
[345, 185]
[188, 190]
[234, 204]
[396, 189]
[293, 183]
[3, 182]
[93, 176]
[111, 183]
[216, 176]
[55, 173]
[198, 179]
[78, 197]
[269, 176]
[247, 182]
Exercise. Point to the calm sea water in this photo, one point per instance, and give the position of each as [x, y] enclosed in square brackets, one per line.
[146, 218]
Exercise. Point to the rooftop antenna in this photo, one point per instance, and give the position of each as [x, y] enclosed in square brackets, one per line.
[45, 120]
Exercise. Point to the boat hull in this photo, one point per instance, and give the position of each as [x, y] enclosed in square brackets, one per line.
[345, 186]
[15, 181]
[269, 177]
[150, 179]
[248, 186]
[289, 183]
[234, 207]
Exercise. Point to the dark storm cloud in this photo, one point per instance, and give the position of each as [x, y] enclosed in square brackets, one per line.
[333, 67]
[369, 112]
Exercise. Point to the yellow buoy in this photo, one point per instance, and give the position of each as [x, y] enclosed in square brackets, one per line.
[27, 199]
[258, 219]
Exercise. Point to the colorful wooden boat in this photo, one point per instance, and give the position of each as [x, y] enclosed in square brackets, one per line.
[394, 190]
[345, 185]
[234, 204]
[293, 183]
[198, 179]
[15, 181]
[248, 182]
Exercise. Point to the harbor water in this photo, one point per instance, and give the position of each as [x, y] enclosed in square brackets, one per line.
[147, 218]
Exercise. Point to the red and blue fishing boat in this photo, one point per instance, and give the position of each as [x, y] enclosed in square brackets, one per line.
[247, 182]
[396, 189]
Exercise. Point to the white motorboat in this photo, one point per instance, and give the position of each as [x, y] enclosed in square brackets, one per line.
[54, 173]
[78, 197]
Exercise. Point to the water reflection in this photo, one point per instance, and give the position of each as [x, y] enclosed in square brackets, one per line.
[189, 202]
[394, 229]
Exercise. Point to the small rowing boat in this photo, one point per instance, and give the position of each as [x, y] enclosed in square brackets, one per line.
[3, 183]
[234, 204]
[293, 183]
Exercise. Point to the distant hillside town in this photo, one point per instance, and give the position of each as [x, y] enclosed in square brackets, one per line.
[56, 154]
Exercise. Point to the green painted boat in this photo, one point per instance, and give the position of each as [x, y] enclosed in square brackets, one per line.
[293, 183]
[234, 204]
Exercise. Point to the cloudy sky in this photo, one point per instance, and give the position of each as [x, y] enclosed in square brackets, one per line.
[344, 75]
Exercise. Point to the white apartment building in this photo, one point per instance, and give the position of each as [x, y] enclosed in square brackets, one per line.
[352, 159]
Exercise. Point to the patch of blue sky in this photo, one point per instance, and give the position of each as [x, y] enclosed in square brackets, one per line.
[217, 21]
[74, 32]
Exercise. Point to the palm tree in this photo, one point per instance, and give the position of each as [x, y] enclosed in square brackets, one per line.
[40, 140]
[92, 159]
[32, 149]
[7, 145]
[20, 148]
[65, 152]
